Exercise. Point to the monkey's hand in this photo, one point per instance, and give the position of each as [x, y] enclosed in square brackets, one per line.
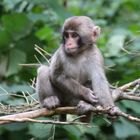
[90, 97]
[51, 102]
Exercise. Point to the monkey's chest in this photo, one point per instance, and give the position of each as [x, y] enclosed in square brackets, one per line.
[77, 71]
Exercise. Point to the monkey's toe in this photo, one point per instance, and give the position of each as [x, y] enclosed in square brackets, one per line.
[51, 102]
[114, 111]
[83, 107]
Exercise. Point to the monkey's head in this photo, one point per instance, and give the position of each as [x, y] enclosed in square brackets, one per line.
[79, 33]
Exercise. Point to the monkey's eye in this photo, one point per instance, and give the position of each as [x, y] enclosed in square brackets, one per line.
[74, 35]
[66, 35]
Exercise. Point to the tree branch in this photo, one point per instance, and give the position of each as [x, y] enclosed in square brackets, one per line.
[21, 117]
[129, 85]
[117, 94]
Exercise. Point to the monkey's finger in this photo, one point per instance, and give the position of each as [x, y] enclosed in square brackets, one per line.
[49, 103]
[57, 101]
[91, 99]
[83, 107]
[53, 103]
[94, 99]
[93, 96]
[112, 118]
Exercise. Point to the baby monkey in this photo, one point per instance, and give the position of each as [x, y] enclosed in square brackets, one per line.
[76, 75]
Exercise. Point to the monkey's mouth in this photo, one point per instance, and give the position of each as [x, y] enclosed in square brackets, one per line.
[71, 50]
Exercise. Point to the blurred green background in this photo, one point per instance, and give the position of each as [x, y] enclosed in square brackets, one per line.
[24, 23]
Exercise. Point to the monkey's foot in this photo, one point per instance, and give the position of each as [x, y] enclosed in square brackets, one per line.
[113, 113]
[83, 107]
[51, 102]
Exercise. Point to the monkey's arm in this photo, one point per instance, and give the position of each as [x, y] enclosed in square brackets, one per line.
[100, 84]
[67, 84]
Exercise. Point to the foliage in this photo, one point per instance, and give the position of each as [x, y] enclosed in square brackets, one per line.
[24, 23]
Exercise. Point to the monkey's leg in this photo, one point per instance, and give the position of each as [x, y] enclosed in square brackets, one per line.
[47, 93]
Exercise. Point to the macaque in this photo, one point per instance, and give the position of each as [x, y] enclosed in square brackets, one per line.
[76, 74]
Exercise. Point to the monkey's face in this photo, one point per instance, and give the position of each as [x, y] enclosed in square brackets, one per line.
[79, 33]
[70, 42]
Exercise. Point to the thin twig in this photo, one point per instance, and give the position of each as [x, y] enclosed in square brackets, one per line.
[33, 82]
[131, 84]
[4, 90]
[125, 50]
[42, 121]
[27, 101]
[31, 65]
[30, 95]
[135, 88]
[39, 48]
[130, 97]
[36, 48]
[129, 117]
[11, 94]
[37, 59]
[79, 117]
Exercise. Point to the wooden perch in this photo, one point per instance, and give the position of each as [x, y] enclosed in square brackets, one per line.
[117, 94]
[131, 84]
[26, 116]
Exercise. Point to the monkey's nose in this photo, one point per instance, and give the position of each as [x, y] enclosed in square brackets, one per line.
[69, 45]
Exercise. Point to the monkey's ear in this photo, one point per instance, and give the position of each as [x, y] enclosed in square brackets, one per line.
[96, 32]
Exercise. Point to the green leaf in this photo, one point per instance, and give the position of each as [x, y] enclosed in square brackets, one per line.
[18, 25]
[18, 88]
[115, 44]
[16, 57]
[10, 4]
[39, 130]
[3, 65]
[60, 11]
[116, 41]
[125, 129]
[3, 96]
[35, 17]
[132, 105]
[14, 102]
[37, 2]
[44, 33]
[72, 132]
[136, 45]
[94, 130]
[15, 126]
[123, 60]
[4, 89]
[5, 38]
